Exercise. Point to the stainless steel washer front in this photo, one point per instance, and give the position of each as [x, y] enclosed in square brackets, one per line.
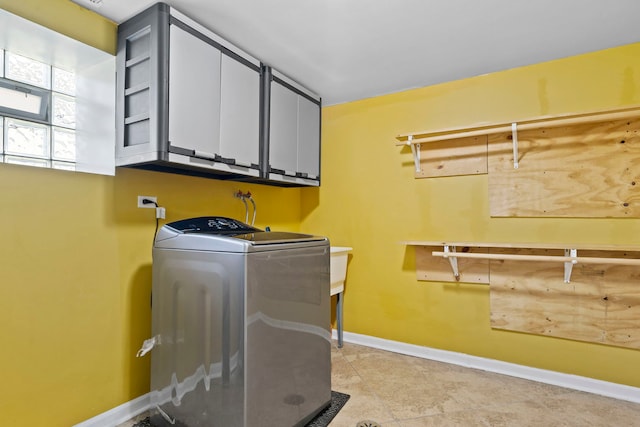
[241, 318]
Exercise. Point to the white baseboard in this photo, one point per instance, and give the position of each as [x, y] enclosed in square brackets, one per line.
[574, 382]
[119, 414]
[133, 408]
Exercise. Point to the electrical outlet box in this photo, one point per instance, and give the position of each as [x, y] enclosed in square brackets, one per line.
[148, 205]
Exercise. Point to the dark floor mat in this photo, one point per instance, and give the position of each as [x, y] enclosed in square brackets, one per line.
[323, 419]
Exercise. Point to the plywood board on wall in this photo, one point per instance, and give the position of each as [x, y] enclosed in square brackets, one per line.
[460, 156]
[438, 269]
[586, 170]
[601, 303]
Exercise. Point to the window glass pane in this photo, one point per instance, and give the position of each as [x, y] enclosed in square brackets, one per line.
[27, 70]
[63, 166]
[64, 144]
[64, 81]
[30, 143]
[64, 111]
[21, 101]
[26, 161]
[27, 139]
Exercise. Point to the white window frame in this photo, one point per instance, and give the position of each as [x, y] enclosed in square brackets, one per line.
[45, 101]
[45, 117]
[95, 87]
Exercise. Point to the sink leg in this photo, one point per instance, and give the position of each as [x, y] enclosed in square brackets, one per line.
[339, 317]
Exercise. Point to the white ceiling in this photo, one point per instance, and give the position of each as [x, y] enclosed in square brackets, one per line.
[346, 50]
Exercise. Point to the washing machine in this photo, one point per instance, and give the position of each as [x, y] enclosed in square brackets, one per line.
[241, 324]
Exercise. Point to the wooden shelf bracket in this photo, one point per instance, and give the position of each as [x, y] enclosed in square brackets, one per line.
[514, 133]
[415, 150]
[453, 260]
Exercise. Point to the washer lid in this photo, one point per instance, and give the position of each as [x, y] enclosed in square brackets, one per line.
[227, 234]
[275, 237]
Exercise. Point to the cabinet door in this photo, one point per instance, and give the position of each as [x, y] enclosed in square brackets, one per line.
[240, 112]
[194, 93]
[283, 131]
[308, 138]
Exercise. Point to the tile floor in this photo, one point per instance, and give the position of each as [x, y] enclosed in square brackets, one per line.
[403, 391]
[395, 390]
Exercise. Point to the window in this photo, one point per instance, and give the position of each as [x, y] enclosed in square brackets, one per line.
[57, 100]
[23, 101]
[38, 106]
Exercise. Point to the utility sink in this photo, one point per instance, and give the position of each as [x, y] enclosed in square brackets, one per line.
[339, 258]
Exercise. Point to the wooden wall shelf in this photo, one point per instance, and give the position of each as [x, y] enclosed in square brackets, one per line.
[597, 300]
[527, 124]
[569, 258]
[578, 165]
[466, 146]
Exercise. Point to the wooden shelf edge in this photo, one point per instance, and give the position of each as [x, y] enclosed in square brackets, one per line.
[533, 123]
[508, 245]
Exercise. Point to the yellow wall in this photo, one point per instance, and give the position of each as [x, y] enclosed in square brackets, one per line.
[75, 265]
[369, 200]
[67, 18]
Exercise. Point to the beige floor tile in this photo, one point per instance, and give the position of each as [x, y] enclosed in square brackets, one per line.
[586, 409]
[479, 388]
[475, 388]
[363, 404]
[405, 385]
[529, 390]
[342, 373]
[521, 414]
[354, 352]
[374, 422]
[410, 397]
[381, 363]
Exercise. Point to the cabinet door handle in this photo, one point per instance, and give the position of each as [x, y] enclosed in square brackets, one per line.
[302, 175]
[225, 160]
[213, 157]
[182, 151]
[278, 171]
[243, 164]
[204, 155]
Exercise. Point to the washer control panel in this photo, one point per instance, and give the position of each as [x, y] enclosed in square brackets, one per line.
[212, 225]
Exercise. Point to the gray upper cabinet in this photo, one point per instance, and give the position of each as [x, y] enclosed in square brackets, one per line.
[190, 102]
[196, 99]
[294, 132]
